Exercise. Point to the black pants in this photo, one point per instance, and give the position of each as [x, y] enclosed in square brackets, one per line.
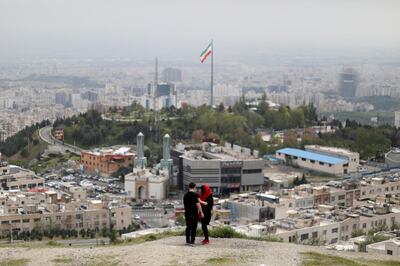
[191, 227]
[205, 229]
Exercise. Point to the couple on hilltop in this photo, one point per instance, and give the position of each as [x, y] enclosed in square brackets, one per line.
[198, 207]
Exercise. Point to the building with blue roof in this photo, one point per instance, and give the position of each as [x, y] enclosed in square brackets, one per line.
[316, 161]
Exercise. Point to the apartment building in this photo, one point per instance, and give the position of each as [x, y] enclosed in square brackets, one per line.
[331, 226]
[376, 186]
[106, 161]
[27, 211]
[13, 177]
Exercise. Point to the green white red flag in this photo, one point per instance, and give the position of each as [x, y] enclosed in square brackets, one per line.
[206, 53]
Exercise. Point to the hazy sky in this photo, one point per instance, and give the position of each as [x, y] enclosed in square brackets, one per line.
[184, 27]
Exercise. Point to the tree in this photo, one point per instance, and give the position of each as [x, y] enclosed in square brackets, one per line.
[303, 180]
[213, 136]
[242, 137]
[240, 106]
[82, 233]
[221, 107]
[310, 113]
[104, 232]
[263, 106]
[290, 138]
[24, 153]
[296, 181]
[112, 235]
[253, 120]
[198, 135]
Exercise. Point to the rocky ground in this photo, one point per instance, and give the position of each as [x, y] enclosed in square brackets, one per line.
[171, 251]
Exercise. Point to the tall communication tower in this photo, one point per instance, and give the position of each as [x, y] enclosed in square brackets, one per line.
[155, 85]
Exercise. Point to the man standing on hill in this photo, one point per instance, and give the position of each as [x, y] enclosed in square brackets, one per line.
[192, 212]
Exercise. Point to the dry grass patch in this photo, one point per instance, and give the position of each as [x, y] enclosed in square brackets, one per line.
[318, 259]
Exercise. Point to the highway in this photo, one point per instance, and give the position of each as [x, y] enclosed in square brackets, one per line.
[45, 135]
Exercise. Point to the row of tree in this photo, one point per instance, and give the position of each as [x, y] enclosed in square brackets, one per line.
[38, 234]
[239, 124]
[20, 140]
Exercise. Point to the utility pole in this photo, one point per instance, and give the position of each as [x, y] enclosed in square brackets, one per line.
[212, 73]
[155, 85]
[11, 233]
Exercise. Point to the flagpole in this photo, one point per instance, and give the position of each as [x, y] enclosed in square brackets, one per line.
[212, 73]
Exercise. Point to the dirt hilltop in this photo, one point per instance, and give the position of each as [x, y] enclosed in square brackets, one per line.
[171, 251]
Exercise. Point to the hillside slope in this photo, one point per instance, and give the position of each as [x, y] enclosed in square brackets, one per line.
[171, 251]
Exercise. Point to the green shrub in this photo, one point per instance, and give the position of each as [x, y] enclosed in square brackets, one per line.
[358, 232]
[224, 232]
[371, 239]
[150, 237]
[180, 220]
[268, 238]
[53, 243]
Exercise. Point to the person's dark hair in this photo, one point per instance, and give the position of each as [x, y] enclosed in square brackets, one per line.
[203, 189]
[192, 185]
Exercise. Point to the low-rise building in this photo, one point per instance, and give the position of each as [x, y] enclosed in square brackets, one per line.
[388, 247]
[25, 211]
[106, 161]
[17, 178]
[314, 161]
[353, 158]
[145, 184]
[226, 170]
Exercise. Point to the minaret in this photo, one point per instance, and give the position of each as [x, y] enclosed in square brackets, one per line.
[140, 144]
[166, 147]
[166, 161]
[140, 160]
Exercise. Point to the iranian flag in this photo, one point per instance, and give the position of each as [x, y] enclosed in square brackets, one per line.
[206, 53]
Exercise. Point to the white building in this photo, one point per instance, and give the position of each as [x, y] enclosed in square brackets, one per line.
[144, 184]
[388, 247]
[353, 158]
[313, 161]
[321, 159]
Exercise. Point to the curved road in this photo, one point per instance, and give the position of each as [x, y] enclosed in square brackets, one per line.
[45, 135]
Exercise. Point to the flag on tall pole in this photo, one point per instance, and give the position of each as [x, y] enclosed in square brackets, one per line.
[209, 51]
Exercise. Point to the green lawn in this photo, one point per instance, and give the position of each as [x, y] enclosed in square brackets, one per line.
[219, 261]
[16, 262]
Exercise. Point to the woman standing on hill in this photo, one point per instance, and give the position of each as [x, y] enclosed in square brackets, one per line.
[207, 203]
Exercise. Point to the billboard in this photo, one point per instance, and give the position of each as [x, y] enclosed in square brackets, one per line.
[231, 164]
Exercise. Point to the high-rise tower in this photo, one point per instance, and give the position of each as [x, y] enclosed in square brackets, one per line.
[348, 83]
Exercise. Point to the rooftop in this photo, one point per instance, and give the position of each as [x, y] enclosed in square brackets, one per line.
[115, 150]
[330, 149]
[311, 156]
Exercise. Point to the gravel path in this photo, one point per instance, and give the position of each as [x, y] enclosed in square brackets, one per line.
[171, 251]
